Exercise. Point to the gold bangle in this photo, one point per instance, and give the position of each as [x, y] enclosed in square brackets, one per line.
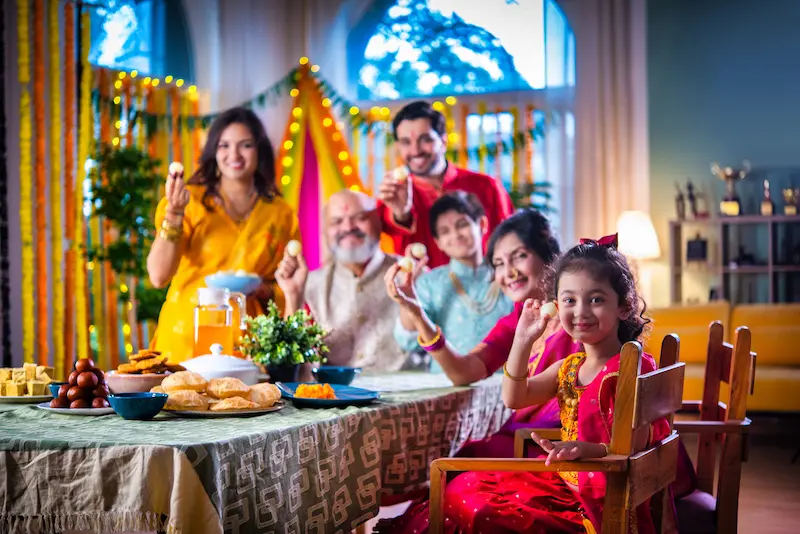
[168, 236]
[432, 341]
[515, 378]
[607, 448]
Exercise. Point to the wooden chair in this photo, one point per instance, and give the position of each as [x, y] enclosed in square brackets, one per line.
[632, 476]
[719, 421]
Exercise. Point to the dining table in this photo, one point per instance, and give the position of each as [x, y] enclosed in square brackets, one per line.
[296, 470]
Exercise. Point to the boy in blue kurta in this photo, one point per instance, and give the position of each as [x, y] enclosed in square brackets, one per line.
[460, 297]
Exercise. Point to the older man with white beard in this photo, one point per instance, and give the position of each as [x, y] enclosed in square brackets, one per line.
[347, 295]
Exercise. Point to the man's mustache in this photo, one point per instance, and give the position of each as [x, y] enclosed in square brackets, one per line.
[354, 233]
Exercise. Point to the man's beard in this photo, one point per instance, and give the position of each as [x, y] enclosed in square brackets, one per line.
[358, 255]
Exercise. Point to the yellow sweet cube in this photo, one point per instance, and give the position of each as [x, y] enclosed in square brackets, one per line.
[5, 374]
[45, 370]
[36, 388]
[30, 371]
[15, 389]
[2, 389]
[18, 374]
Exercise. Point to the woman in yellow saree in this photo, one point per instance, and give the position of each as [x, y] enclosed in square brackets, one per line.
[228, 217]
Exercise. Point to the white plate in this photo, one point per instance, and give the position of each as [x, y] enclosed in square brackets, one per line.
[25, 399]
[239, 413]
[77, 411]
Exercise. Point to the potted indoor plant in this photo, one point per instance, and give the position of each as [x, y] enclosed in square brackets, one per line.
[282, 345]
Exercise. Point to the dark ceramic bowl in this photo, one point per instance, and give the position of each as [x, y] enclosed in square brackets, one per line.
[332, 374]
[142, 406]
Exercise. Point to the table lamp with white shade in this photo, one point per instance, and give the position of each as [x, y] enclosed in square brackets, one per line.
[638, 241]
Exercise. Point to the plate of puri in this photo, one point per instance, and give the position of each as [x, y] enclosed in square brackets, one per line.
[191, 395]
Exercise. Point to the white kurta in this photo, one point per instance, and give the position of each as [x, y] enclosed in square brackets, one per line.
[358, 313]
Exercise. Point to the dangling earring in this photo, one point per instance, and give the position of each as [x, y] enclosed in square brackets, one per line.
[219, 173]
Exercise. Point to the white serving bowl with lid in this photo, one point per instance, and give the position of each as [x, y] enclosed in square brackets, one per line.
[218, 365]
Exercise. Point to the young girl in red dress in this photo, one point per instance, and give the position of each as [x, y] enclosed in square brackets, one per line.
[597, 306]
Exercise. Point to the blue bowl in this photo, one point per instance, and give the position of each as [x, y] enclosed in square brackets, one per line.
[333, 374]
[54, 388]
[238, 284]
[141, 406]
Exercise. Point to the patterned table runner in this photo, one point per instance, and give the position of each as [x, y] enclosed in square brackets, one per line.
[295, 470]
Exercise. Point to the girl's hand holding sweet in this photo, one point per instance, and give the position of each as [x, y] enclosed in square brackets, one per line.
[532, 322]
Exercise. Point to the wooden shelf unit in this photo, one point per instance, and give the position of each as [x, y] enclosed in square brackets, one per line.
[724, 235]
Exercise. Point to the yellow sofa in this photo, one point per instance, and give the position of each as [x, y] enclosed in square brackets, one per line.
[775, 330]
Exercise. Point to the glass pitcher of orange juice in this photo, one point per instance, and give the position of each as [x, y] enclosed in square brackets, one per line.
[214, 319]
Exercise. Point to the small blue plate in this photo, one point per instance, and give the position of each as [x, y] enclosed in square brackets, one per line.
[333, 374]
[239, 284]
[345, 396]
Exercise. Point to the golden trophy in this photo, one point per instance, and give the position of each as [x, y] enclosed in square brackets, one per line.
[767, 207]
[730, 205]
[790, 198]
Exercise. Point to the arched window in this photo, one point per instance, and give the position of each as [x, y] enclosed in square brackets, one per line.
[133, 35]
[421, 48]
[511, 65]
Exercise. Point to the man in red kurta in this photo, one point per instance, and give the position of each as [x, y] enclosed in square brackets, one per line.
[419, 131]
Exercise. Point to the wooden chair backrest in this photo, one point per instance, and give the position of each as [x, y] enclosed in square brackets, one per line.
[734, 365]
[642, 398]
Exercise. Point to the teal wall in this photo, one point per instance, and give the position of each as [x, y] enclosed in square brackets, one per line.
[724, 85]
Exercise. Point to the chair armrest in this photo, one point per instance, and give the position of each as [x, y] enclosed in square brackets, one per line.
[712, 427]
[613, 463]
[524, 434]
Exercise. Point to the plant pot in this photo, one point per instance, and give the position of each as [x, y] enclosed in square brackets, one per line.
[283, 373]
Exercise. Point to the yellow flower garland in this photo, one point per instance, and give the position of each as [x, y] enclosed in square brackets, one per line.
[85, 134]
[56, 223]
[26, 179]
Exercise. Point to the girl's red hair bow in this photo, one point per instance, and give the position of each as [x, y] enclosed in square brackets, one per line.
[610, 241]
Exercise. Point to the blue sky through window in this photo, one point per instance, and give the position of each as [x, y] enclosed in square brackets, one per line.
[122, 35]
[437, 47]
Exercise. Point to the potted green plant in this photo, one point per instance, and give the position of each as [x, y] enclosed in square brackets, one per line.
[282, 345]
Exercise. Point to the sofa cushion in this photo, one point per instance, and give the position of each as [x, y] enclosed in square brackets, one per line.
[777, 388]
[775, 331]
[690, 323]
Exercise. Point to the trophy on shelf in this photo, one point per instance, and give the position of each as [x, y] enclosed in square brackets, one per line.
[767, 207]
[790, 201]
[730, 205]
[680, 203]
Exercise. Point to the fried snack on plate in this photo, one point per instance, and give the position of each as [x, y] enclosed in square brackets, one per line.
[223, 388]
[157, 389]
[186, 400]
[184, 380]
[315, 391]
[233, 404]
[265, 395]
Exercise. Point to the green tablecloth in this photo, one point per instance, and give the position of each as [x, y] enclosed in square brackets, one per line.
[295, 470]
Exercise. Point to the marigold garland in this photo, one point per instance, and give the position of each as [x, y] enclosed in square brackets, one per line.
[70, 294]
[25, 178]
[56, 228]
[42, 316]
[99, 311]
[85, 135]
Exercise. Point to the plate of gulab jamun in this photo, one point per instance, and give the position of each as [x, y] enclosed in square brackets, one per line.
[85, 392]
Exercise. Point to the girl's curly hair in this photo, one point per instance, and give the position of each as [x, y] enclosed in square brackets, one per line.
[605, 263]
